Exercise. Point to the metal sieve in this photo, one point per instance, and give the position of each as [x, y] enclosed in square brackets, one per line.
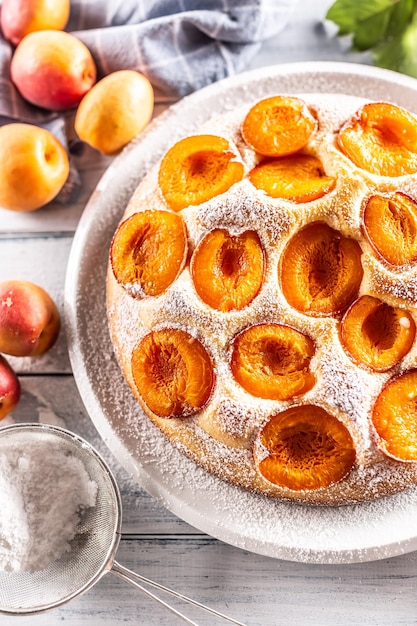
[94, 547]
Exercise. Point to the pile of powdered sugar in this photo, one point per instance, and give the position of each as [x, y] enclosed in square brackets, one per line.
[43, 491]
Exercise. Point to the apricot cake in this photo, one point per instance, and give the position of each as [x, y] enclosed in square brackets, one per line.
[261, 296]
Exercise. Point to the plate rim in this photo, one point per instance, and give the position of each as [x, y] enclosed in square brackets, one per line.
[188, 510]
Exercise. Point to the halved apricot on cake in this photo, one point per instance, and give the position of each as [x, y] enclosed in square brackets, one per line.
[376, 334]
[173, 373]
[304, 448]
[278, 126]
[394, 417]
[228, 270]
[272, 361]
[299, 178]
[148, 251]
[390, 225]
[382, 139]
[197, 169]
[320, 270]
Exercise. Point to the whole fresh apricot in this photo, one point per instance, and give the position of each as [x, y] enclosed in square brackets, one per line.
[115, 110]
[52, 69]
[29, 319]
[34, 167]
[21, 17]
[9, 388]
[33, 156]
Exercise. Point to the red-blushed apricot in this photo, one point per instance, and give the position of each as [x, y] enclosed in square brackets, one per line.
[382, 139]
[272, 361]
[394, 417]
[278, 126]
[320, 270]
[173, 373]
[303, 448]
[376, 334]
[390, 225]
[197, 169]
[299, 178]
[148, 252]
[228, 270]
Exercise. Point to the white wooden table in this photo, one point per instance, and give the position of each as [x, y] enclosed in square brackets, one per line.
[257, 590]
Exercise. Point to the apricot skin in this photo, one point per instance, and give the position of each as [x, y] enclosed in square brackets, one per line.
[52, 69]
[197, 169]
[29, 319]
[9, 388]
[382, 139]
[299, 178]
[376, 334]
[320, 270]
[228, 270]
[272, 361]
[278, 126]
[304, 448]
[390, 225]
[172, 372]
[21, 17]
[148, 252]
[33, 155]
[114, 111]
[394, 417]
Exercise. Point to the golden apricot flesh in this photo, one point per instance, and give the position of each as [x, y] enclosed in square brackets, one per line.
[278, 126]
[320, 270]
[34, 167]
[376, 334]
[148, 252]
[382, 139]
[394, 417]
[272, 361]
[197, 169]
[114, 111]
[173, 373]
[299, 178]
[390, 225]
[304, 448]
[228, 270]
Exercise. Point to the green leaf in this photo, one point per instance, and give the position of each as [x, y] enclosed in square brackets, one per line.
[347, 14]
[369, 32]
[400, 18]
[399, 53]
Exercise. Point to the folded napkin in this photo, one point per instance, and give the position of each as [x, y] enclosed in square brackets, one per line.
[180, 45]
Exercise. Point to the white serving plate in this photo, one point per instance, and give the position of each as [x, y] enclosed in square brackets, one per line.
[348, 534]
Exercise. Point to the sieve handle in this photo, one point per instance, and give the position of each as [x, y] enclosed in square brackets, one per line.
[133, 577]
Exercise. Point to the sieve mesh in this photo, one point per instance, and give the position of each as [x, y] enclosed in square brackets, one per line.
[93, 547]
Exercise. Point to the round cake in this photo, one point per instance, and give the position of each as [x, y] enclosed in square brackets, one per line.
[261, 296]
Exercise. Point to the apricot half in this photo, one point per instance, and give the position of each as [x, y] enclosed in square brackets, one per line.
[148, 252]
[304, 447]
[300, 178]
[382, 139]
[228, 270]
[320, 270]
[272, 361]
[278, 126]
[395, 417]
[376, 334]
[196, 169]
[173, 373]
[390, 224]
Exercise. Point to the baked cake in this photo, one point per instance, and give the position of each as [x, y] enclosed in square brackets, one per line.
[261, 297]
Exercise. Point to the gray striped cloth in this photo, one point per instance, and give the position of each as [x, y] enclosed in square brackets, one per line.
[180, 45]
